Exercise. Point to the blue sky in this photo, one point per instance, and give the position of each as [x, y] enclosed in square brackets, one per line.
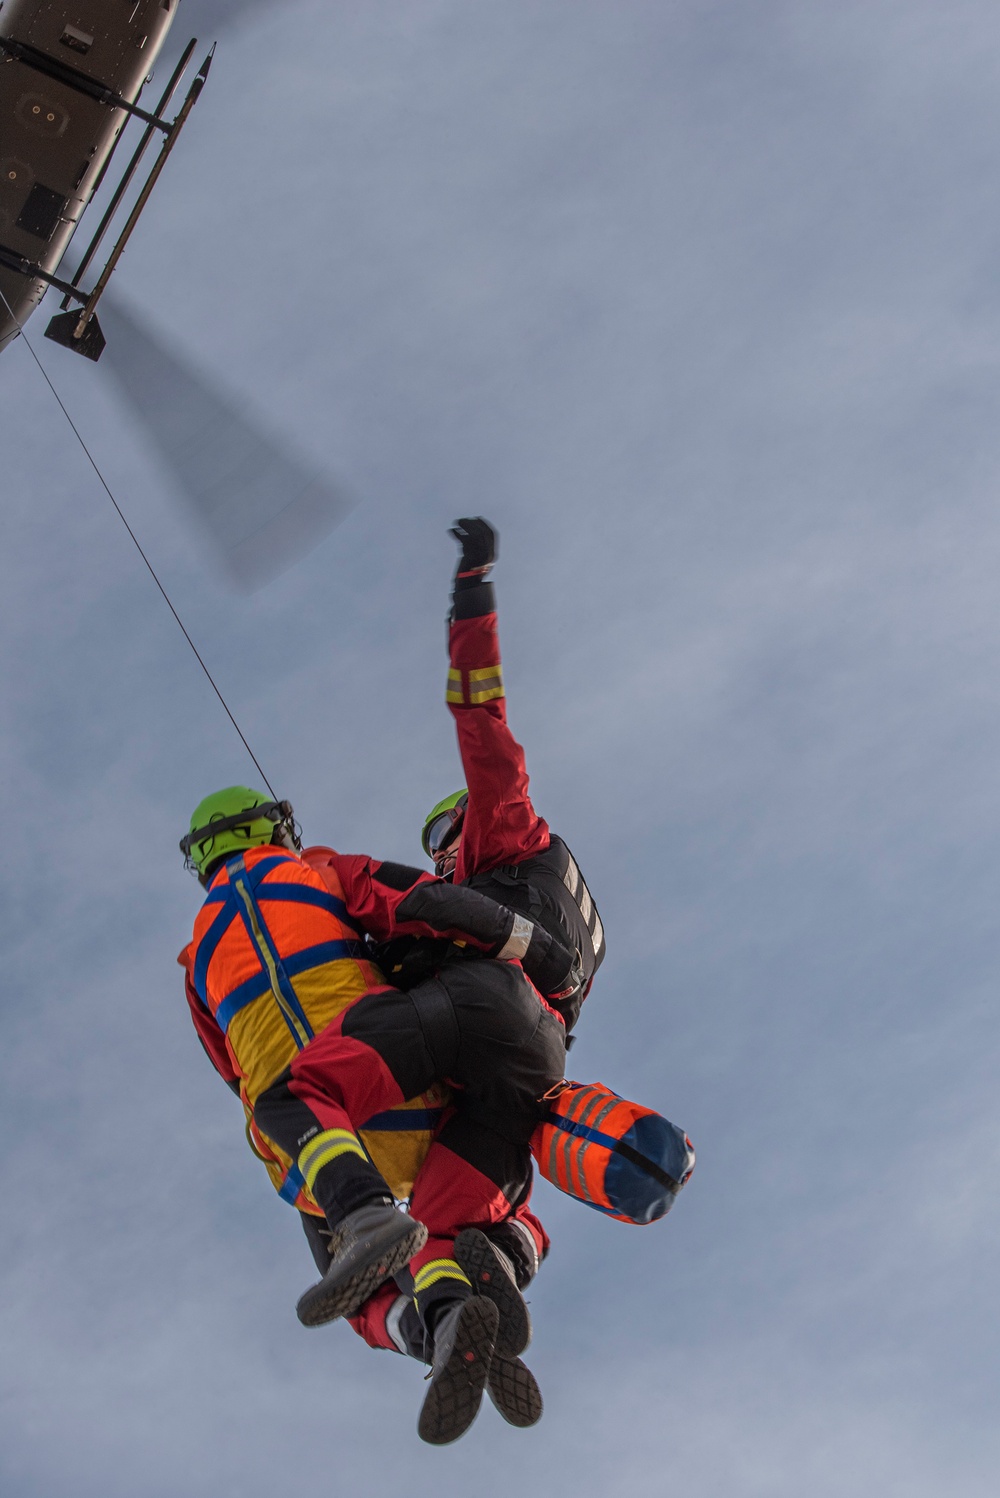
[698, 302]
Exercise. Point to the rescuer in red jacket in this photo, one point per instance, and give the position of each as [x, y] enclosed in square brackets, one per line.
[489, 837]
[291, 1009]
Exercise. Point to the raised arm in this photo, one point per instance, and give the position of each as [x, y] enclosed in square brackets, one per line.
[500, 825]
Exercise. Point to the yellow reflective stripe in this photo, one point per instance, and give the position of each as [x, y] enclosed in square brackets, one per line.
[326, 1147]
[454, 692]
[263, 952]
[438, 1269]
[485, 684]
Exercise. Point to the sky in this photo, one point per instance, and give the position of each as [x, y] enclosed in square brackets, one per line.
[698, 302]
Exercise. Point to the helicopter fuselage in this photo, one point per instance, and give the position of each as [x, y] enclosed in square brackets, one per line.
[63, 66]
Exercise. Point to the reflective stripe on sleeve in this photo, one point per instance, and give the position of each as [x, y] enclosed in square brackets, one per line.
[517, 943]
[485, 684]
[454, 692]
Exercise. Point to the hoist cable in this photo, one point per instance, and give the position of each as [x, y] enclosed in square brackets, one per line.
[135, 540]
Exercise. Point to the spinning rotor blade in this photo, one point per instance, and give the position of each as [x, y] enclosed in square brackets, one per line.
[261, 506]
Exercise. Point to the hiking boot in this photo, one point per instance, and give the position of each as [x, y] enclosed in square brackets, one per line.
[368, 1248]
[514, 1392]
[517, 1244]
[491, 1275]
[463, 1350]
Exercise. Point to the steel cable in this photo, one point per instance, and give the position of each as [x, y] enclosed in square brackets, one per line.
[135, 540]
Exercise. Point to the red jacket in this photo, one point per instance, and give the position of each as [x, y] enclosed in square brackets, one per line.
[507, 850]
[500, 824]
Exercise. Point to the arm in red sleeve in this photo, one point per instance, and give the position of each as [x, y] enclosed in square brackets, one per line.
[391, 899]
[208, 1031]
[501, 825]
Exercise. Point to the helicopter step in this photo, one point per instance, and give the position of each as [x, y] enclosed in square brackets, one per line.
[71, 328]
[91, 343]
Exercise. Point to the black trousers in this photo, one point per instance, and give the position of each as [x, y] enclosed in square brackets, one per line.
[478, 1025]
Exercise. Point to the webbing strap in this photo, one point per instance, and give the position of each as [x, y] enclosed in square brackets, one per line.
[403, 1121]
[294, 1182]
[649, 1166]
[617, 1146]
[284, 994]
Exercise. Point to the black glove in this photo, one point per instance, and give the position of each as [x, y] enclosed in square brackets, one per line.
[478, 541]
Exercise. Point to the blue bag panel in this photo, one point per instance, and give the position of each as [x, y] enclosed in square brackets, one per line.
[631, 1185]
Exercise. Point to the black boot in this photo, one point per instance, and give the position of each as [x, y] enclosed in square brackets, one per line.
[368, 1248]
[464, 1336]
[517, 1244]
[514, 1391]
[491, 1274]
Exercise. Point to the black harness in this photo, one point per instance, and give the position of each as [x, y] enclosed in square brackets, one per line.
[550, 890]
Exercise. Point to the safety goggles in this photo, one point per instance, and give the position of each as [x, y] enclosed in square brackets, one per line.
[275, 811]
[444, 829]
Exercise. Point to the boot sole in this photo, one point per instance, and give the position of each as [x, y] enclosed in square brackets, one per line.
[343, 1296]
[514, 1392]
[454, 1397]
[476, 1257]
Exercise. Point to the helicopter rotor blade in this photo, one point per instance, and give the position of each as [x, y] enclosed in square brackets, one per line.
[261, 505]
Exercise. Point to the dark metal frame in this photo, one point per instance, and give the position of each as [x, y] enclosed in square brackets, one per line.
[80, 330]
[129, 171]
[62, 72]
[12, 260]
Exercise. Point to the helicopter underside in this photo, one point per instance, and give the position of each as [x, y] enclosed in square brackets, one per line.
[58, 133]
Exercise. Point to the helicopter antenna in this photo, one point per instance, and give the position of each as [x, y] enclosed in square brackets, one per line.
[149, 566]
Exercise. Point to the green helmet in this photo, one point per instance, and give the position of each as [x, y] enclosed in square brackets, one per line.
[451, 808]
[220, 826]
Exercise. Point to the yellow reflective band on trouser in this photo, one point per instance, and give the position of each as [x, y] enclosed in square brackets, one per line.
[326, 1147]
[485, 684]
[435, 1271]
[454, 692]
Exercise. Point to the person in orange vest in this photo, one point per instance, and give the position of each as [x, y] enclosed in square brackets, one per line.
[293, 1012]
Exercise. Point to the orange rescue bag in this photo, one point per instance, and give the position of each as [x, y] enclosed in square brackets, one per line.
[618, 1157]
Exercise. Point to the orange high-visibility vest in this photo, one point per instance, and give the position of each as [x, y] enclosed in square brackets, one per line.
[276, 958]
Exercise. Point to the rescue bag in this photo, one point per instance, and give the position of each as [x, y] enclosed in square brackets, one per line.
[618, 1157]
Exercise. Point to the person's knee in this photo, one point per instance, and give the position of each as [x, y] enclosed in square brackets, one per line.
[389, 1024]
[493, 1001]
[273, 1106]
